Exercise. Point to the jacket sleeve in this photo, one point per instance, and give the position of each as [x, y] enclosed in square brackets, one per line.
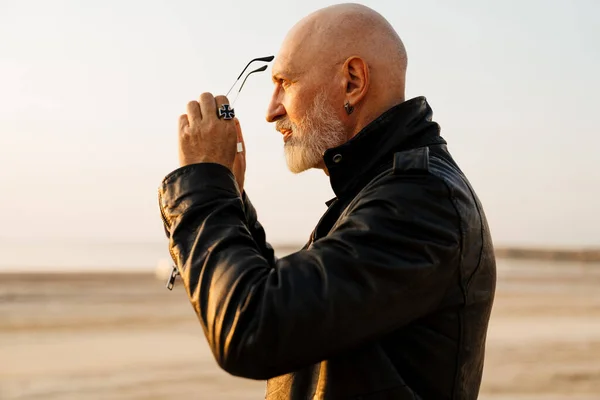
[257, 231]
[387, 262]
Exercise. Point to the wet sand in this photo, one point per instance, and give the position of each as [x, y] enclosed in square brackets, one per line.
[124, 336]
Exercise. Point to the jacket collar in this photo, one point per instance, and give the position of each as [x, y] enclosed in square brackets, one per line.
[402, 127]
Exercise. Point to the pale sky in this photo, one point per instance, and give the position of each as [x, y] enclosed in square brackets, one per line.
[90, 96]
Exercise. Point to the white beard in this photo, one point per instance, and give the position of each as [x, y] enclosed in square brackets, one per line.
[318, 131]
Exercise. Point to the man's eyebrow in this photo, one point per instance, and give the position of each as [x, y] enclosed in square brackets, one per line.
[280, 74]
[276, 76]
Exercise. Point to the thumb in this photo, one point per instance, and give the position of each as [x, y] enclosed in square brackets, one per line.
[240, 137]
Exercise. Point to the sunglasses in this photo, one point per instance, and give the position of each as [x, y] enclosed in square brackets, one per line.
[260, 69]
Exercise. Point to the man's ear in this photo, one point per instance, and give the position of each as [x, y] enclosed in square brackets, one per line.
[356, 79]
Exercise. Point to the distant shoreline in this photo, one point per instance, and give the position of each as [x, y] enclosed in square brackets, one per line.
[581, 255]
[553, 255]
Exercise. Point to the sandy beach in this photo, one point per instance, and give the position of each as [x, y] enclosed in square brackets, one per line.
[124, 336]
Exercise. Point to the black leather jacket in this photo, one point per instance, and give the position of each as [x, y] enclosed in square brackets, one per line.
[391, 297]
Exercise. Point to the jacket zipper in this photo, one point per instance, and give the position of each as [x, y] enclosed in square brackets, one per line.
[174, 271]
[172, 277]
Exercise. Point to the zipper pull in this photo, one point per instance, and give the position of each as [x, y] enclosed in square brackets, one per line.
[172, 277]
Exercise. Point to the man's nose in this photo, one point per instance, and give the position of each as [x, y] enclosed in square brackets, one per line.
[276, 109]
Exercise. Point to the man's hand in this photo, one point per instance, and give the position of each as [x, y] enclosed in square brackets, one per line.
[204, 137]
[239, 165]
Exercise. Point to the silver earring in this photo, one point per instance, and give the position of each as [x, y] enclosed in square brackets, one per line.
[349, 109]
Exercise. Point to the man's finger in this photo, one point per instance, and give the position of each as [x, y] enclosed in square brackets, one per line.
[207, 105]
[193, 112]
[184, 122]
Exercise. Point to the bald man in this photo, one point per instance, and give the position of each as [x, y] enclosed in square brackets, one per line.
[392, 294]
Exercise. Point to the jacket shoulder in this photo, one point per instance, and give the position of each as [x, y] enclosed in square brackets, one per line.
[414, 160]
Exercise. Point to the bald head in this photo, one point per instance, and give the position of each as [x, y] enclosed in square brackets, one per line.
[347, 29]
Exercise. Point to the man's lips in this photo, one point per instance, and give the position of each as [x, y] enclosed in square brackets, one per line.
[287, 134]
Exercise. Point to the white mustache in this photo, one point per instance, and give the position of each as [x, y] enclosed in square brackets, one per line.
[284, 125]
